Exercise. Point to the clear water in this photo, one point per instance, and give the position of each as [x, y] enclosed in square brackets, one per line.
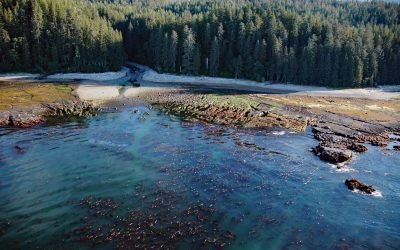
[264, 187]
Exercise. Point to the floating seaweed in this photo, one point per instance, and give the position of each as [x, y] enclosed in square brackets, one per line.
[164, 222]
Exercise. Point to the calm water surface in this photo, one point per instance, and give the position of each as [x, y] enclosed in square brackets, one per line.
[74, 185]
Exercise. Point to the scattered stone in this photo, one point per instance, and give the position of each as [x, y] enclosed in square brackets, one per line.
[354, 184]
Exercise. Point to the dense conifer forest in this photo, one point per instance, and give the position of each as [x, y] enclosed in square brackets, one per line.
[322, 42]
[49, 36]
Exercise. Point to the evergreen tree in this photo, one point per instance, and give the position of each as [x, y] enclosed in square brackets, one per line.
[336, 43]
[214, 57]
[189, 44]
[172, 51]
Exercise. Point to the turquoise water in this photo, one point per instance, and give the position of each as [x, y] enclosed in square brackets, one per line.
[128, 179]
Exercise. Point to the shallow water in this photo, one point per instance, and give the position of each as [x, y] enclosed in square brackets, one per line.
[94, 183]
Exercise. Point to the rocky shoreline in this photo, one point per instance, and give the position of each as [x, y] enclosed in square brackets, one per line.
[340, 136]
[49, 111]
[341, 132]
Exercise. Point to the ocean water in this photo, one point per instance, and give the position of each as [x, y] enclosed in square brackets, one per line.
[134, 179]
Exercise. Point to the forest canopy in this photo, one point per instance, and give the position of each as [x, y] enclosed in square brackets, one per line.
[49, 36]
[320, 42]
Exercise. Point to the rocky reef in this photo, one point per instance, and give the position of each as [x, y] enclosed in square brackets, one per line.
[338, 141]
[339, 135]
[229, 110]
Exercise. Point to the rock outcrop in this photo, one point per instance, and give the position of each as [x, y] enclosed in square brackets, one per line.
[338, 141]
[354, 184]
[333, 155]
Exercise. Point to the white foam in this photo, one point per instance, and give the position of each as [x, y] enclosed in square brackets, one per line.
[107, 143]
[343, 167]
[278, 132]
[376, 193]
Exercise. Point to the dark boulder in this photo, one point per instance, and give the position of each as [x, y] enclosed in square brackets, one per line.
[357, 147]
[396, 147]
[334, 155]
[354, 184]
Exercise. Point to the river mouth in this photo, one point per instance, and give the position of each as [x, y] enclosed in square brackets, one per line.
[136, 178]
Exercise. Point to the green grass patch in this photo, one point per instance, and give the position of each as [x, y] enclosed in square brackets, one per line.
[21, 95]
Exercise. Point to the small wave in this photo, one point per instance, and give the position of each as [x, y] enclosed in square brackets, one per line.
[376, 193]
[107, 143]
[278, 132]
[341, 167]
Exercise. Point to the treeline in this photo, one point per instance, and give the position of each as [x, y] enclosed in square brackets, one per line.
[324, 42]
[48, 36]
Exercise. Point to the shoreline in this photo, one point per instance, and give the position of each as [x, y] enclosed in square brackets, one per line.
[149, 78]
[341, 125]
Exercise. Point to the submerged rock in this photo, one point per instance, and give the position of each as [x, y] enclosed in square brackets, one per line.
[333, 155]
[19, 149]
[354, 184]
[358, 147]
[396, 147]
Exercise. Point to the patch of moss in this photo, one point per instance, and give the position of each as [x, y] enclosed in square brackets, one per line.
[21, 95]
[237, 101]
